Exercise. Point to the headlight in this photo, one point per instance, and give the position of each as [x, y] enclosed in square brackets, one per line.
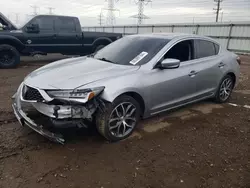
[79, 95]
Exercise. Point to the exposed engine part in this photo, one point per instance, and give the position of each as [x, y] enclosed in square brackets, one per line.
[67, 111]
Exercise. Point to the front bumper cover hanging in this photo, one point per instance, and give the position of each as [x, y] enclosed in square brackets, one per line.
[25, 120]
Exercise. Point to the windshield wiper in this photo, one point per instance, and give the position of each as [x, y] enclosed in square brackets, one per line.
[90, 55]
[104, 59]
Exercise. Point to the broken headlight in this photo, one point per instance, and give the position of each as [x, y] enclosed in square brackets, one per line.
[78, 95]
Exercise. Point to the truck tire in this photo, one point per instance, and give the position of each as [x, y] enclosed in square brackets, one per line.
[99, 47]
[9, 56]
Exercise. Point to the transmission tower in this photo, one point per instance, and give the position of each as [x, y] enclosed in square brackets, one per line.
[34, 10]
[100, 19]
[141, 16]
[17, 18]
[217, 9]
[111, 12]
[51, 10]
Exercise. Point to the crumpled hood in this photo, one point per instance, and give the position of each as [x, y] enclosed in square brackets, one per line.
[74, 72]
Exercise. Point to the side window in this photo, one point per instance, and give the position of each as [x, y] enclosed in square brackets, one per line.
[182, 51]
[204, 48]
[65, 25]
[46, 24]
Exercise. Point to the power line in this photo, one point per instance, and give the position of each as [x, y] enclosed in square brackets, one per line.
[218, 9]
[141, 16]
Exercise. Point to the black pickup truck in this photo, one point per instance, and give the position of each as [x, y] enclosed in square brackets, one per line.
[45, 34]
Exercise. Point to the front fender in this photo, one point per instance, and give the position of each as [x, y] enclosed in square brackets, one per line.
[11, 40]
[110, 96]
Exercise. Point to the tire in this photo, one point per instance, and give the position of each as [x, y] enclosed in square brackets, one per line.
[111, 129]
[227, 84]
[99, 47]
[9, 56]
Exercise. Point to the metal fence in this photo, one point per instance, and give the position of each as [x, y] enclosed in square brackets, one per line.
[233, 36]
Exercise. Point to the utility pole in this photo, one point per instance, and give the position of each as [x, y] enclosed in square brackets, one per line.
[111, 11]
[100, 19]
[17, 18]
[34, 10]
[221, 17]
[141, 16]
[51, 10]
[217, 9]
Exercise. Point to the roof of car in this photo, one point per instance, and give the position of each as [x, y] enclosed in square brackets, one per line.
[170, 36]
[54, 15]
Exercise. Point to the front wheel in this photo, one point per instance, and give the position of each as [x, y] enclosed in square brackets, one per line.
[9, 56]
[225, 89]
[119, 119]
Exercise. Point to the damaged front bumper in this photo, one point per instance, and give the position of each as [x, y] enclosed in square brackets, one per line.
[25, 120]
[60, 116]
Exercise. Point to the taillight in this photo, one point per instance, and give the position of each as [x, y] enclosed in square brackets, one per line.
[238, 60]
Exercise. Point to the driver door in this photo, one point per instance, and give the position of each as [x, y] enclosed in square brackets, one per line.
[44, 40]
[170, 88]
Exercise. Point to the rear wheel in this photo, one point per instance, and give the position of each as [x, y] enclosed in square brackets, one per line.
[119, 118]
[99, 47]
[225, 89]
[9, 56]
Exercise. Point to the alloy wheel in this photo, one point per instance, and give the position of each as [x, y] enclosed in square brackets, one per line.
[122, 119]
[226, 89]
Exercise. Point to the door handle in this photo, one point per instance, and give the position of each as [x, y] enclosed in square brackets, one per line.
[221, 65]
[192, 73]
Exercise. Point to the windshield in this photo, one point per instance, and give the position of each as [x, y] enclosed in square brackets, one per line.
[131, 50]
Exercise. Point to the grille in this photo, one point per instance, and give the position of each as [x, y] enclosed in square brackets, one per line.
[31, 94]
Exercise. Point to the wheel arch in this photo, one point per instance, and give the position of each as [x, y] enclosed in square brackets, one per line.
[134, 94]
[138, 98]
[102, 41]
[233, 76]
[13, 42]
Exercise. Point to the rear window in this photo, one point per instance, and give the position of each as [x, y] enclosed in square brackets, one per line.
[205, 48]
[66, 25]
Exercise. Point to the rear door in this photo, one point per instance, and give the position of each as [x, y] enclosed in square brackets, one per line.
[209, 67]
[69, 35]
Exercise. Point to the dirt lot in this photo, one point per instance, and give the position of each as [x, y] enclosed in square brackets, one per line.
[201, 145]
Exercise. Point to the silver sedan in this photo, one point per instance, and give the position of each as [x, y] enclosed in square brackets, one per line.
[135, 77]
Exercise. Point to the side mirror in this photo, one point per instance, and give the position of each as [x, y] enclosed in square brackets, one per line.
[170, 63]
[33, 28]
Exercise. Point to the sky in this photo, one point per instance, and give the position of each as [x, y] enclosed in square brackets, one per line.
[159, 11]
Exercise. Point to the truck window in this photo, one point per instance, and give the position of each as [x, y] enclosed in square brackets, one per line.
[46, 24]
[65, 25]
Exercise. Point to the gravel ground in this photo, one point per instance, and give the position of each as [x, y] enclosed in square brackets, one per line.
[201, 145]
